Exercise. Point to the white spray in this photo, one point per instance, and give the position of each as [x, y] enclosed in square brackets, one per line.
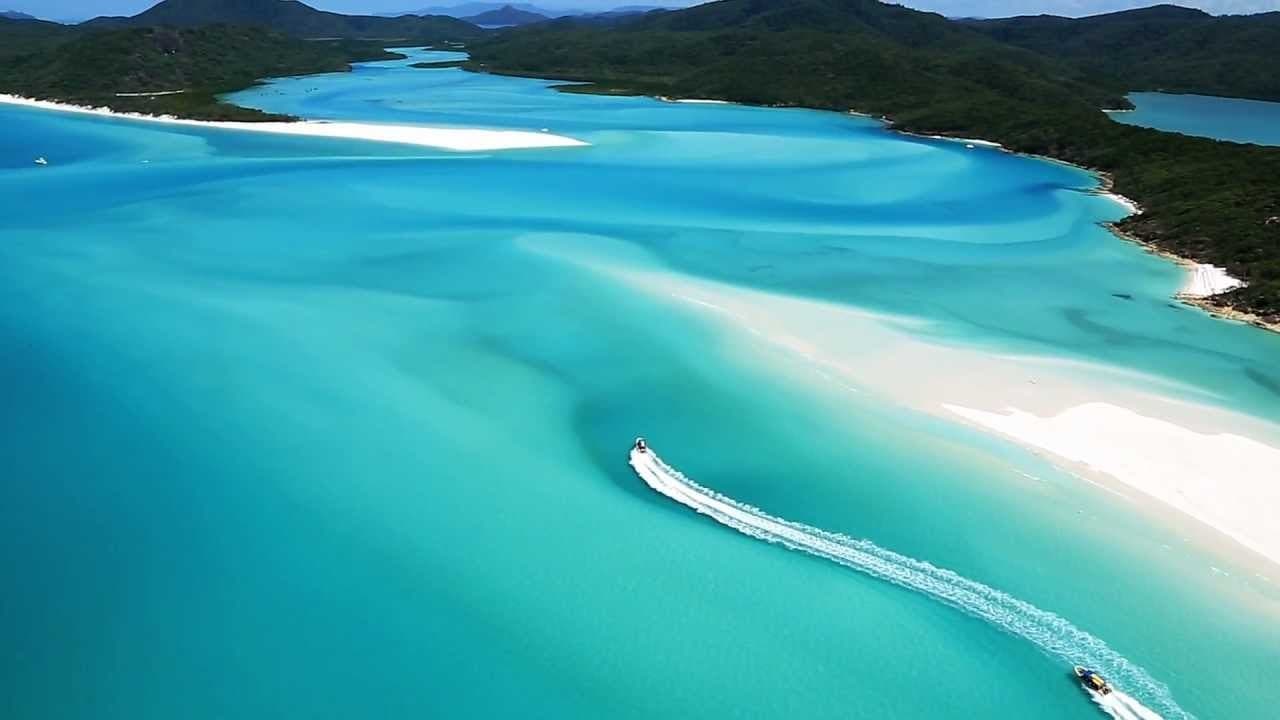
[1052, 634]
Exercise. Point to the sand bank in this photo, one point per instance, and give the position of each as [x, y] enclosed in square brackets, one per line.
[157, 93]
[459, 139]
[1111, 426]
[691, 101]
[1226, 481]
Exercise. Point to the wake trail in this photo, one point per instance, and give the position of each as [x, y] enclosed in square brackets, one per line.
[1054, 635]
[1123, 707]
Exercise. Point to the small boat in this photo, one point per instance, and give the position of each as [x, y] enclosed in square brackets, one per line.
[41, 161]
[1092, 680]
[641, 445]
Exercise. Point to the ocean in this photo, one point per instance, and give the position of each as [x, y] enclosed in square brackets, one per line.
[299, 427]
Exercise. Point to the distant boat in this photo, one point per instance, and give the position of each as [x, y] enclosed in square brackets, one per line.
[41, 161]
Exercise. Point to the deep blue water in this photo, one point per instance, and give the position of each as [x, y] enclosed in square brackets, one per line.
[310, 428]
[1244, 121]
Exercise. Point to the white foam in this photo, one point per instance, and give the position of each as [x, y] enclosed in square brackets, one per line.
[1131, 207]
[1123, 707]
[1054, 635]
[1205, 280]
[461, 139]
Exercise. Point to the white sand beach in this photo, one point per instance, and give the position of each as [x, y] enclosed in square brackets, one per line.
[458, 139]
[1205, 280]
[1229, 482]
[1166, 441]
[1131, 207]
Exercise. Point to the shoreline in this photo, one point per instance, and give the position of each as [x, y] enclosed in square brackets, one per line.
[1199, 468]
[1218, 308]
[1210, 304]
[440, 138]
[1182, 480]
[1206, 301]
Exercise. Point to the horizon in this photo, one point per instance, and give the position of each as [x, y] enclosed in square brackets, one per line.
[80, 10]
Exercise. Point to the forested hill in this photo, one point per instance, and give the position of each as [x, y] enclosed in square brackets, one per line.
[18, 35]
[294, 18]
[201, 48]
[1159, 48]
[111, 67]
[818, 53]
[1204, 199]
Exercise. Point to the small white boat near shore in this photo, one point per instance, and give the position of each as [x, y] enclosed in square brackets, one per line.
[41, 161]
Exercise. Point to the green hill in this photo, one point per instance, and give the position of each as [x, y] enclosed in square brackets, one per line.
[506, 16]
[96, 68]
[1159, 48]
[201, 47]
[817, 53]
[18, 36]
[294, 18]
[1208, 200]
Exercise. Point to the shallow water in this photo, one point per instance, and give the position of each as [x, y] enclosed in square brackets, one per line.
[1243, 121]
[314, 428]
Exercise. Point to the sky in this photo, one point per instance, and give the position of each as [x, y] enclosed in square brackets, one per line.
[82, 9]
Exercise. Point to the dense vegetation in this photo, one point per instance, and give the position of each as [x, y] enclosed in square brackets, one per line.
[295, 18]
[96, 68]
[1159, 48]
[18, 36]
[1204, 199]
[201, 47]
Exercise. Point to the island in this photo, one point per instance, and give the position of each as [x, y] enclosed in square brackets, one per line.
[1034, 85]
[1038, 86]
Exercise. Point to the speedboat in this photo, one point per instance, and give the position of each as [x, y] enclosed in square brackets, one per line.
[641, 445]
[41, 161]
[1092, 680]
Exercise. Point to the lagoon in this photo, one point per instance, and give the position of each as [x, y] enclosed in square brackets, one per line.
[1233, 119]
[315, 427]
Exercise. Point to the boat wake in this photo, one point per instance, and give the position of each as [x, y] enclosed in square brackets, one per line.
[1123, 707]
[1054, 635]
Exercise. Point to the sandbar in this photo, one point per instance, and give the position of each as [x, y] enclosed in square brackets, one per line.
[457, 139]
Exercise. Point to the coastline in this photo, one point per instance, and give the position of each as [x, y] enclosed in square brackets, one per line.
[1164, 460]
[1198, 467]
[1209, 302]
[453, 139]
[1212, 303]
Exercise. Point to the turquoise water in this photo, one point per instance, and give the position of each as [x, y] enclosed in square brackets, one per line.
[1244, 121]
[310, 428]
